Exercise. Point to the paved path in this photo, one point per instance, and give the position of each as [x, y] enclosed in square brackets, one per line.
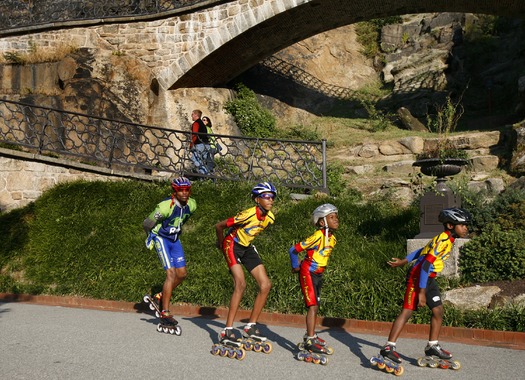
[53, 342]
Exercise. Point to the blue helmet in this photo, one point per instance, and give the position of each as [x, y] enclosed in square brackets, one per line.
[455, 216]
[263, 187]
[180, 183]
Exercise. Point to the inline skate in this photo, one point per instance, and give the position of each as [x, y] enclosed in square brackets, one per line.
[312, 352]
[316, 340]
[389, 360]
[167, 324]
[228, 346]
[438, 357]
[253, 340]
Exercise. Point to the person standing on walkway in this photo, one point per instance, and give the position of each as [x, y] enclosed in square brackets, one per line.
[422, 288]
[199, 145]
[239, 251]
[318, 248]
[215, 147]
[164, 227]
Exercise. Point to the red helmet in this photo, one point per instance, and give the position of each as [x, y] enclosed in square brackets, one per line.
[180, 183]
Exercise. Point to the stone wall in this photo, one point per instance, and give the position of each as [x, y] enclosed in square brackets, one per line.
[24, 176]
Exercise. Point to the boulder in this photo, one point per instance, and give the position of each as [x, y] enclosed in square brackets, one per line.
[471, 298]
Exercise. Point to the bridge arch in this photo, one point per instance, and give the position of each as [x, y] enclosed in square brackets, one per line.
[246, 32]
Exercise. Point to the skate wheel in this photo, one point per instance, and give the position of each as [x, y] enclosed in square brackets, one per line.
[421, 362]
[433, 364]
[324, 360]
[373, 361]
[300, 346]
[267, 348]
[159, 328]
[232, 353]
[157, 314]
[443, 366]
[308, 359]
[151, 307]
[399, 371]
[301, 356]
[248, 346]
[316, 361]
[240, 354]
[146, 298]
[455, 365]
[165, 330]
[215, 349]
[329, 350]
[381, 365]
[389, 369]
[257, 347]
[223, 352]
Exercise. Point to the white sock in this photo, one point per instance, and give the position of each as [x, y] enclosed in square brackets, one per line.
[391, 344]
[432, 342]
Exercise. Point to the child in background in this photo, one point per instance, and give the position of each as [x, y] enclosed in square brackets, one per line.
[318, 248]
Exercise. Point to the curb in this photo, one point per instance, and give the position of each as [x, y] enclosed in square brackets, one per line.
[494, 338]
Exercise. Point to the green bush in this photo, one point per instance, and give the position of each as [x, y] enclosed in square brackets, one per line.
[252, 119]
[497, 254]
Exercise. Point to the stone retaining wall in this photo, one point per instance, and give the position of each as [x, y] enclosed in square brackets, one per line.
[24, 176]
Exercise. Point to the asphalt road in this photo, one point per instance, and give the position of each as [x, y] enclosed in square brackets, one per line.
[52, 342]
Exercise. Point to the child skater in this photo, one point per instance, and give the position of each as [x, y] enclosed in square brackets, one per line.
[163, 227]
[239, 251]
[318, 248]
[421, 286]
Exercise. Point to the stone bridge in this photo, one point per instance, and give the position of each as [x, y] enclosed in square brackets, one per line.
[211, 42]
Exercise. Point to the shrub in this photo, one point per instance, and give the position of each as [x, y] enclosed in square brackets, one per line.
[252, 119]
[497, 254]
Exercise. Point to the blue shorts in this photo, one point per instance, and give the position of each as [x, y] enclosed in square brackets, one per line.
[170, 253]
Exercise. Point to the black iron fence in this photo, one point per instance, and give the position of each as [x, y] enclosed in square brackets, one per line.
[19, 14]
[157, 151]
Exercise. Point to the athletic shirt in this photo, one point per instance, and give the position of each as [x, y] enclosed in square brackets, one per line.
[247, 224]
[430, 258]
[170, 217]
[318, 249]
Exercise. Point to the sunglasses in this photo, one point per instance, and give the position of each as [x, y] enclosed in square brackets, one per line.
[267, 196]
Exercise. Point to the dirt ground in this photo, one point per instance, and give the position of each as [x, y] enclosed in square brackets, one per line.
[508, 288]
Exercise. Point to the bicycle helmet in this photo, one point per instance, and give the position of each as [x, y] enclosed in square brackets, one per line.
[263, 187]
[455, 216]
[180, 183]
[322, 211]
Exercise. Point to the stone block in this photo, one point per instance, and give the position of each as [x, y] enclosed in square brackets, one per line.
[472, 298]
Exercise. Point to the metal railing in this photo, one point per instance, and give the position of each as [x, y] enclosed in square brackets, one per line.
[145, 149]
[20, 14]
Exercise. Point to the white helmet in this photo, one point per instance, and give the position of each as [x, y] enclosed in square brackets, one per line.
[322, 211]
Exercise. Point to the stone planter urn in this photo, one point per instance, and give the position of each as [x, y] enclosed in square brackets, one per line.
[441, 168]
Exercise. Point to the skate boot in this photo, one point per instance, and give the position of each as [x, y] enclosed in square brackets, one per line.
[438, 357]
[168, 324]
[228, 346]
[316, 340]
[252, 339]
[388, 351]
[154, 303]
[312, 352]
[389, 360]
